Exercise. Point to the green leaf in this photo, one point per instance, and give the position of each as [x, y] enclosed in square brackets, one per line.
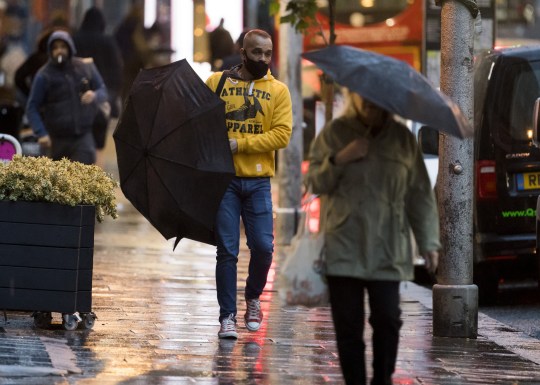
[274, 7]
[301, 14]
[302, 25]
[290, 18]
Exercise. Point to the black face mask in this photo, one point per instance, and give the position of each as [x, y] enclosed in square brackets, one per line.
[257, 68]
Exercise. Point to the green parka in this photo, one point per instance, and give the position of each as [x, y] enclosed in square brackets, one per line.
[372, 204]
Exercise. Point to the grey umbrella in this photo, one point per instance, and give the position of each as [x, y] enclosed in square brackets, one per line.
[393, 85]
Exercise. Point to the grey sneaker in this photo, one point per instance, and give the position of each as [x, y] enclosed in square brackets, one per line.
[254, 315]
[228, 327]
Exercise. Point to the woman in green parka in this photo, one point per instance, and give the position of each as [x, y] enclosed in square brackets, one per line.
[371, 172]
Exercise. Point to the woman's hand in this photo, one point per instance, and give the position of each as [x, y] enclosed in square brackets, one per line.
[352, 152]
[432, 261]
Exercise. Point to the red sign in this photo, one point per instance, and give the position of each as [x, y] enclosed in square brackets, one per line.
[399, 36]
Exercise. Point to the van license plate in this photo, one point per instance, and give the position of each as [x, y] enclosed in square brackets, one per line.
[528, 181]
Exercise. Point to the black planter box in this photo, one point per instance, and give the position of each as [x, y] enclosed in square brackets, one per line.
[46, 257]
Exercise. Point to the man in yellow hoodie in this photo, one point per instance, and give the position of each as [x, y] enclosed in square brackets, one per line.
[259, 122]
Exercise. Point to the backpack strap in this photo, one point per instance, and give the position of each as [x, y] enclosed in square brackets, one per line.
[221, 83]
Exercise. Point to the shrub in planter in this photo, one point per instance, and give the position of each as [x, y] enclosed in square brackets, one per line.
[47, 215]
[65, 182]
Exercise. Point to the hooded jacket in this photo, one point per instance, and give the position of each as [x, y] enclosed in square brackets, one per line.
[91, 41]
[54, 106]
[258, 115]
[372, 204]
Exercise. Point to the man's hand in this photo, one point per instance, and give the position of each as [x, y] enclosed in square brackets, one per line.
[45, 141]
[234, 145]
[88, 97]
[432, 261]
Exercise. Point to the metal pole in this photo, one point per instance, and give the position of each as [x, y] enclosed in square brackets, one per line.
[455, 298]
[290, 158]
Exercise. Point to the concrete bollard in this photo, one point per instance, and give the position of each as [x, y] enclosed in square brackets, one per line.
[455, 311]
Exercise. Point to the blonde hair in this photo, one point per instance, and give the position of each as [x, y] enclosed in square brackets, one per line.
[349, 110]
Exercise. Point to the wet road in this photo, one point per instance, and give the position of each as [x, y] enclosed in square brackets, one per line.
[157, 324]
[518, 306]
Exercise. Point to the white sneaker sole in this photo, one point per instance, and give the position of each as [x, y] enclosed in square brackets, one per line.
[228, 335]
[252, 328]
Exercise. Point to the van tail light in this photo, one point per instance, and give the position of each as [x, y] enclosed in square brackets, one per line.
[486, 180]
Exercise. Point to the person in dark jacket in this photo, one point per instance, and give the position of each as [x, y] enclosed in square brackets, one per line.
[28, 69]
[26, 72]
[234, 58]
[64, 100]
[91, 41]
[133, 46]
[221, 45]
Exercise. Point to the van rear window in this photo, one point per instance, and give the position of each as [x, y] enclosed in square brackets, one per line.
[523, 82]
[526, 91]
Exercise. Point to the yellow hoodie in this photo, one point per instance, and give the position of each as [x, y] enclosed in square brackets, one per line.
[258, 115]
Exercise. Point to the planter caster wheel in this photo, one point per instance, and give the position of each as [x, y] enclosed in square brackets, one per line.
[88, 320]
[70, 321]
[42, 319]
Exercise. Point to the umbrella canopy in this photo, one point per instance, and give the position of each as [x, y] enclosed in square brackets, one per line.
[393, 85]
[173, 152]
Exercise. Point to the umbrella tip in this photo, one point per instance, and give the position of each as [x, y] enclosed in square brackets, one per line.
[176, 242]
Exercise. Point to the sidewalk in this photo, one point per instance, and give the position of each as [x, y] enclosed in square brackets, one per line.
[157, 324]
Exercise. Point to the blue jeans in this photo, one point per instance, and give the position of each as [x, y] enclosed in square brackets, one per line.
[250, 199]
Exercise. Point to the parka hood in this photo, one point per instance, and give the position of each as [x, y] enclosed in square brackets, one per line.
[64, 36]
[93, 21]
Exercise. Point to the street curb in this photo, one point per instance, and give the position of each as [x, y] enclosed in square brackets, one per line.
[503, 335]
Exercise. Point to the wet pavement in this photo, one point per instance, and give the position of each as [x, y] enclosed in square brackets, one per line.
[157, 324]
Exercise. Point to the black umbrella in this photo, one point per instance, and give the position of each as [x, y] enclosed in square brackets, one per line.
[393, 85]
[173, 152]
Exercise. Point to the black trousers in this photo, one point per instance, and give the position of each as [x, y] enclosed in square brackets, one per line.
[76, 148]
[347, 302]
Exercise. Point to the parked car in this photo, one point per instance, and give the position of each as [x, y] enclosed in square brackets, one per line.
[506, 167]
